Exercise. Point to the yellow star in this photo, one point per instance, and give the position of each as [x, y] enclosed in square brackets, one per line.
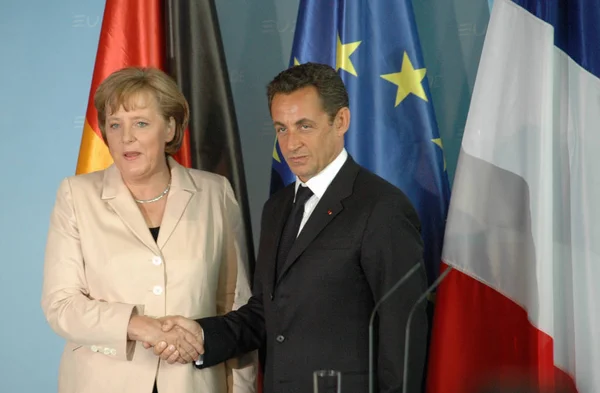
[275, 154]
[342, 56]
[438, 141]
[408, 81]
[296, 62]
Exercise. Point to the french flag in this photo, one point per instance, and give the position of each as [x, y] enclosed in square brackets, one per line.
[522, 304]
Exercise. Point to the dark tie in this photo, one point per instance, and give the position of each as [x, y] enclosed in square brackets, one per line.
[292, 225]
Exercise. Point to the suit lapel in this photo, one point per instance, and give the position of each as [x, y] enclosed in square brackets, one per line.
[182, 190]
[282, 209]
[118, 197]
[326, 210]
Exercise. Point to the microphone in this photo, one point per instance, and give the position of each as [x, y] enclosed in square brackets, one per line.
[398, 284]
[402, 280]
[410, 315]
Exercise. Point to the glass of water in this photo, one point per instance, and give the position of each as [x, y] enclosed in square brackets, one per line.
[327, 381]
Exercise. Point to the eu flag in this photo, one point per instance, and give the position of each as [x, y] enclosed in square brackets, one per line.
[393, 132]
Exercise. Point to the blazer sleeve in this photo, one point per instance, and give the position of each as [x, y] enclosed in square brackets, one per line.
[66, 301]
[233, 289]
[237, 332]
[392, 245]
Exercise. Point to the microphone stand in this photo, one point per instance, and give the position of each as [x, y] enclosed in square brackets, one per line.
[410, 315]
[377, 305]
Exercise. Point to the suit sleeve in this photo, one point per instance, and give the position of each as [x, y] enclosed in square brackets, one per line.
[66, 300]
[392, 245]
[234, 289]
[237, 332]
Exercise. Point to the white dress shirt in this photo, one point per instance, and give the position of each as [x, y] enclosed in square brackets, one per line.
[318, 185]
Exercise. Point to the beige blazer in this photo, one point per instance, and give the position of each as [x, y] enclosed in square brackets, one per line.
[101, 262]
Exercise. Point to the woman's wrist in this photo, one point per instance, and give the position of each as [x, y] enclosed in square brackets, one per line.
[134, 328]
[141, 328]
[138, 328]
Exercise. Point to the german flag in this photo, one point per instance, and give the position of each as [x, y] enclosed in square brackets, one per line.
[196, 60]
[132, 35]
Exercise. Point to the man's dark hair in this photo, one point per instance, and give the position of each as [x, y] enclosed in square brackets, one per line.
[325, 79]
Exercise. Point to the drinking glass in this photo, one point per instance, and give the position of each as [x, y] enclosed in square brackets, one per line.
[327, 381]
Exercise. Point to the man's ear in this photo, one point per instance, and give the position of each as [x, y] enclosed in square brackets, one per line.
[342, 121]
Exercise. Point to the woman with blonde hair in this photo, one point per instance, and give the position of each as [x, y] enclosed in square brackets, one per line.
[140, 240]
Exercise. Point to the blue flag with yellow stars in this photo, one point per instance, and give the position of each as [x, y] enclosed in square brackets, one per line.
[393, 132]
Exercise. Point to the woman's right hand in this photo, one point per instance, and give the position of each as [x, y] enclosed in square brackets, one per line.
[149, 330]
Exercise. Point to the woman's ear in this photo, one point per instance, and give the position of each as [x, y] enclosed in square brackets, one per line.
[171, 126]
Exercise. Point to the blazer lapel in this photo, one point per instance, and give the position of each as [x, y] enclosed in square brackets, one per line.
[182, 190]
[119, 198]
[328, 207]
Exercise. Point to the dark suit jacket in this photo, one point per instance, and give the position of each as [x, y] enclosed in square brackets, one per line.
[314, 314]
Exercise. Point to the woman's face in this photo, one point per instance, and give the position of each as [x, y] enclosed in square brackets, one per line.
[137, 138]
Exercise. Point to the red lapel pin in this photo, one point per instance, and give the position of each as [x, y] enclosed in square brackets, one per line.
[329, 212]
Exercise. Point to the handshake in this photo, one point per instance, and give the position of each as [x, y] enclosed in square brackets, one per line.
[173, 338]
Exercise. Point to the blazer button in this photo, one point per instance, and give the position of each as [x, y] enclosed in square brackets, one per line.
[280, 338]
[271, 296]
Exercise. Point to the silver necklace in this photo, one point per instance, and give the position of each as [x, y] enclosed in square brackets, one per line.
[161, 196]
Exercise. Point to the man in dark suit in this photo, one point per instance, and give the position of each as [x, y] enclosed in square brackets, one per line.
[332, 244]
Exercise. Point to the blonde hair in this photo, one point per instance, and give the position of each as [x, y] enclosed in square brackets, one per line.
[123, 86]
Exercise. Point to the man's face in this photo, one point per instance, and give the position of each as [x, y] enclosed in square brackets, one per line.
[307, 137]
